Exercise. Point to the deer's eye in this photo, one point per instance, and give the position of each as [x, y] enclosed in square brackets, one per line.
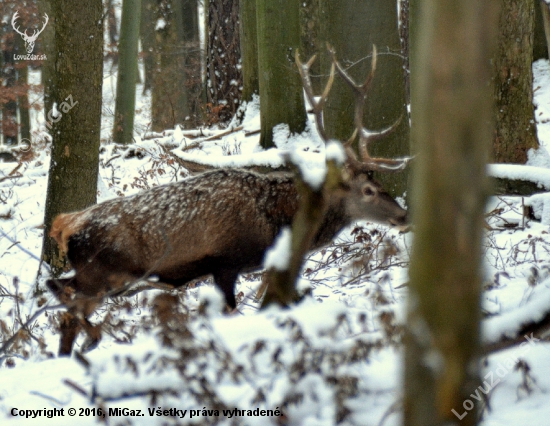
[367, 190]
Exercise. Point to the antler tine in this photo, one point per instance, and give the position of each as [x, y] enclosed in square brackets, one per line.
[13, 19]
[366, 136]
[45, 23]
[37, 32]
[308, 88]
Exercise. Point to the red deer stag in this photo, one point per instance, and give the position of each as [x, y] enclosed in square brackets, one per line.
[219, 223]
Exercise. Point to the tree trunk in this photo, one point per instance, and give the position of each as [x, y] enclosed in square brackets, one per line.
[9, 106]
[193, 85]
[72, 180]
[23, 94]
[224, 77]
[281, 97]
[545, 12]
[249, 49]
[352, 28]
[515, 132]
[47, 41]
[309, 39]
[452, 45]
[148, 14]
[127, 72]
[112, 31]
[170, 101]
[540, 47]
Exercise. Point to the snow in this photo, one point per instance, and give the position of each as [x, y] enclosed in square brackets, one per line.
[538, 175]
[278, 256]
[328, 355]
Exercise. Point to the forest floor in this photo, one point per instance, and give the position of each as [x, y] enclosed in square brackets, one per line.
[334, 357]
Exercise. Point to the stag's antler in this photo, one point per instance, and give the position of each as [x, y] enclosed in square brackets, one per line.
[366, 136]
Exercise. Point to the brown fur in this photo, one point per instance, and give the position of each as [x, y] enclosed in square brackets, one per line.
[219, 223]
[65, 225]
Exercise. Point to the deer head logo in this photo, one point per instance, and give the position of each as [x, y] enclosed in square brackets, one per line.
[29, 39]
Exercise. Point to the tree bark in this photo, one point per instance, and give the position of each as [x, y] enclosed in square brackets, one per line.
[23, 94]
[9, 103]
[224, 77]
[515, 131]
[540, 47]
[281, 97]
[123, 130]
[452, 107]
[72, 180]
[148, 14]
[47, 41]
[249, 49]
[352, 28]
[170, 100]
[193, 66]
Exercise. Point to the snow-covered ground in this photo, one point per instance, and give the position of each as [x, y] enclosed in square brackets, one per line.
[335, 357]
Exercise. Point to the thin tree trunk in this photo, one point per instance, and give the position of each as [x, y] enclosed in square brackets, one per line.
[72, 180]
[193, 85]
[309, 39]
[224, 57]
[9, 107]
[48, 46]
[127, 72]
[281, 97]
[452, 45]
[112, 31]
[148, 13]
[515, 132]
[249, 49]
[540, 47]
[23, 97]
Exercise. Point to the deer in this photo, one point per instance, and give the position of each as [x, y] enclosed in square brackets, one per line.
[218, 223]
[29, 39]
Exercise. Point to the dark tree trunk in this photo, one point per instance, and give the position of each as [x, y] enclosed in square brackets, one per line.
[47, 41]
[148, 14]
[224, 77]
[112, 31]
[452, 45]
[170, 97]
[540, 47]
[515, 132]
[281, 97]
[192, 52]
[405, 51]
[352, 28]
[9, 96]
[23, 94]
[249, 48]
[72, 181]
[309, 38]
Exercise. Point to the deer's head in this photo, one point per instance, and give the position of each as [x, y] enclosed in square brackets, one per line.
[367, 198]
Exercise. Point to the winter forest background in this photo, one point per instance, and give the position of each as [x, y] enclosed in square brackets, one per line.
[445, 322]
